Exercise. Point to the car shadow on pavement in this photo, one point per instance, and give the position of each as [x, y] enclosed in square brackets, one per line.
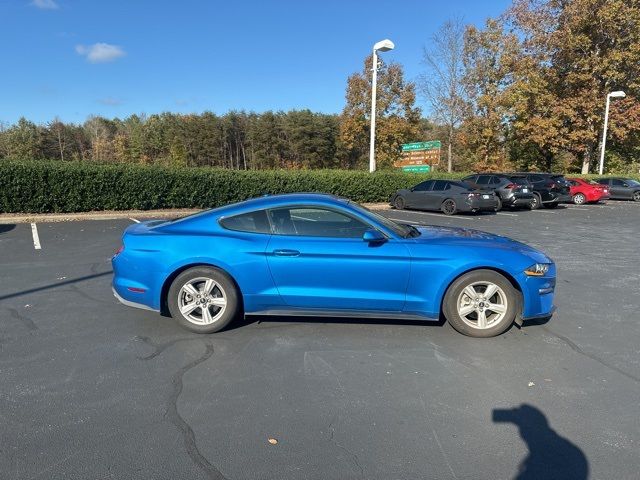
[550, 455]
[6, 227]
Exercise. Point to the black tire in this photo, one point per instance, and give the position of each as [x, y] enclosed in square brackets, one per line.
[499, 205]
[636, 196]
[225, 287]
[450, 310]
[579, 199]
[399, 203]
[449, 207]
[536, 202]
[551, 205]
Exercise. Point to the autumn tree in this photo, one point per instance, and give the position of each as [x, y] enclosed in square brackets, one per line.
[397, 122]
[488, 62]
[574, 53]
[441, 83]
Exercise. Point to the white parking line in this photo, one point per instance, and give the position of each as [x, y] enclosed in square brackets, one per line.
[543, 211]
[36, 238]
[509, 214]
[134, 220]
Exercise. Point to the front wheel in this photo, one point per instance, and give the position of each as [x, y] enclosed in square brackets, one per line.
[481, 303]
[203, 299]
[449, 206]
[399, 203]
[636, 196]
[579, 198]
[498, 206]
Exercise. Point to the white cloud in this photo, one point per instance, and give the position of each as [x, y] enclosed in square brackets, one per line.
[100, 52]
[45, 4]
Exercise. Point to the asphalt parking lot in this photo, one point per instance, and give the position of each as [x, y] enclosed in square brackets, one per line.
[93, 389]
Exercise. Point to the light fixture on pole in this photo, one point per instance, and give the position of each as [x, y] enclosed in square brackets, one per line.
[618, 94]
[382, 46]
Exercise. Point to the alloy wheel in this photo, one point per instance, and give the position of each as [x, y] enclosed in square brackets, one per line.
[579, 198]
[202, 301]
[636, 197]
[482, 305]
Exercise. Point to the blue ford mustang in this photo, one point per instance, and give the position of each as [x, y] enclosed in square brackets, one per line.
[319, 255]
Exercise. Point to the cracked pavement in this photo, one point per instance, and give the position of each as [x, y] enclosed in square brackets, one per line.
[93, 389]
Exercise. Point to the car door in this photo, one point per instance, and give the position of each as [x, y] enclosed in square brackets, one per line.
[319, 260]
[418, 196]
[620, 189]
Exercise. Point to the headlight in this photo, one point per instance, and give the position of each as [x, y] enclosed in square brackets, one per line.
[537, 270]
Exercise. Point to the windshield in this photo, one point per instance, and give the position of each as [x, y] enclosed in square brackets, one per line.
[633, 183]
[402, 230]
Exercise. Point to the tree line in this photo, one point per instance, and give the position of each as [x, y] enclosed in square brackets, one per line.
[524, 91]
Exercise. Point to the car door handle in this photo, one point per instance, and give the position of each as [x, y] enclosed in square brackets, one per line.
[286, 253]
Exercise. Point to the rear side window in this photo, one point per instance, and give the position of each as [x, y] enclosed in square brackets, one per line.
[441, 185]
[483, 179]
[495, 181]
[617, 183]
[423, 187]
[536, 178]
[252, 222]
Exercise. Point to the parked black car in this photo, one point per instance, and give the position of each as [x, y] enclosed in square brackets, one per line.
[448, 196]
[511, 192]
[622, 188]
[549, 189]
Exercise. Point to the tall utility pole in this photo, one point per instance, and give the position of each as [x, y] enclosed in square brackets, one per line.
[382, 46]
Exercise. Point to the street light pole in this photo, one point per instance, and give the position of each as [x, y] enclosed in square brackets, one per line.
[618, 94]
[382, 46]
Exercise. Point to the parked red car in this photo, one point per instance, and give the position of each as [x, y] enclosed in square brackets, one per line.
[587, 191]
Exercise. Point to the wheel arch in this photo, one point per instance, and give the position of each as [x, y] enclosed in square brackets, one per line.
[166, 285]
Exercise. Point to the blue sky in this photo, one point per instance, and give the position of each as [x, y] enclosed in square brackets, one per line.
[74, 58]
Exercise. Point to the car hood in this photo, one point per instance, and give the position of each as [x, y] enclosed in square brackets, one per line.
[467, 237]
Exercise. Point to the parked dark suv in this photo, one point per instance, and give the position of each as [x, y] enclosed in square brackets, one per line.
[549, 189]
[511, 192]
[622, 188]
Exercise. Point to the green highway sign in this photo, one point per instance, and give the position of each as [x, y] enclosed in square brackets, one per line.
[411, 147]
[416, 168]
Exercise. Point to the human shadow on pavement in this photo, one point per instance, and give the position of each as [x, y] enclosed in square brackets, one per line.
[550, 455]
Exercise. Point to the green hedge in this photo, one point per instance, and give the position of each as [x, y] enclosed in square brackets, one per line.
[42, 187]
[53, 186]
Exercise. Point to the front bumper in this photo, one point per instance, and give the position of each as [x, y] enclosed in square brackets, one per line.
[480, 204]
[538, 293]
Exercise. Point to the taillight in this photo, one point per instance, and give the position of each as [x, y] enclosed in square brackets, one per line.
[511, 185]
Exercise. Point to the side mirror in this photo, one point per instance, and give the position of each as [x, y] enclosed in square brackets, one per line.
[373, 236]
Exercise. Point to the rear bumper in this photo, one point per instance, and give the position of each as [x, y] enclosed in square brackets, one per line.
[479, 204]
[518, 200]
[129, 303]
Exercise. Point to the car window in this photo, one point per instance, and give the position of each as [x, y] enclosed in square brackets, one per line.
[483, 179]
[316, 222]
[535, 178]
[603, 181]
[574, 183]
[472, 179]
[495, 181]
[441, 185]
[423, 187]
[633, 183]
[254, 222]
[617, 183]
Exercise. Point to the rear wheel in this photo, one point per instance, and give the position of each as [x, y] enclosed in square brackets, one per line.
[636, 196]
[481, 303]
[399, 203]
[449, 206]
[536, 202]
[203, 299]
[498, 204]
[579, 199]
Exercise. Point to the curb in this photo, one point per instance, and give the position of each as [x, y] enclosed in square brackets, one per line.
[116, 215]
